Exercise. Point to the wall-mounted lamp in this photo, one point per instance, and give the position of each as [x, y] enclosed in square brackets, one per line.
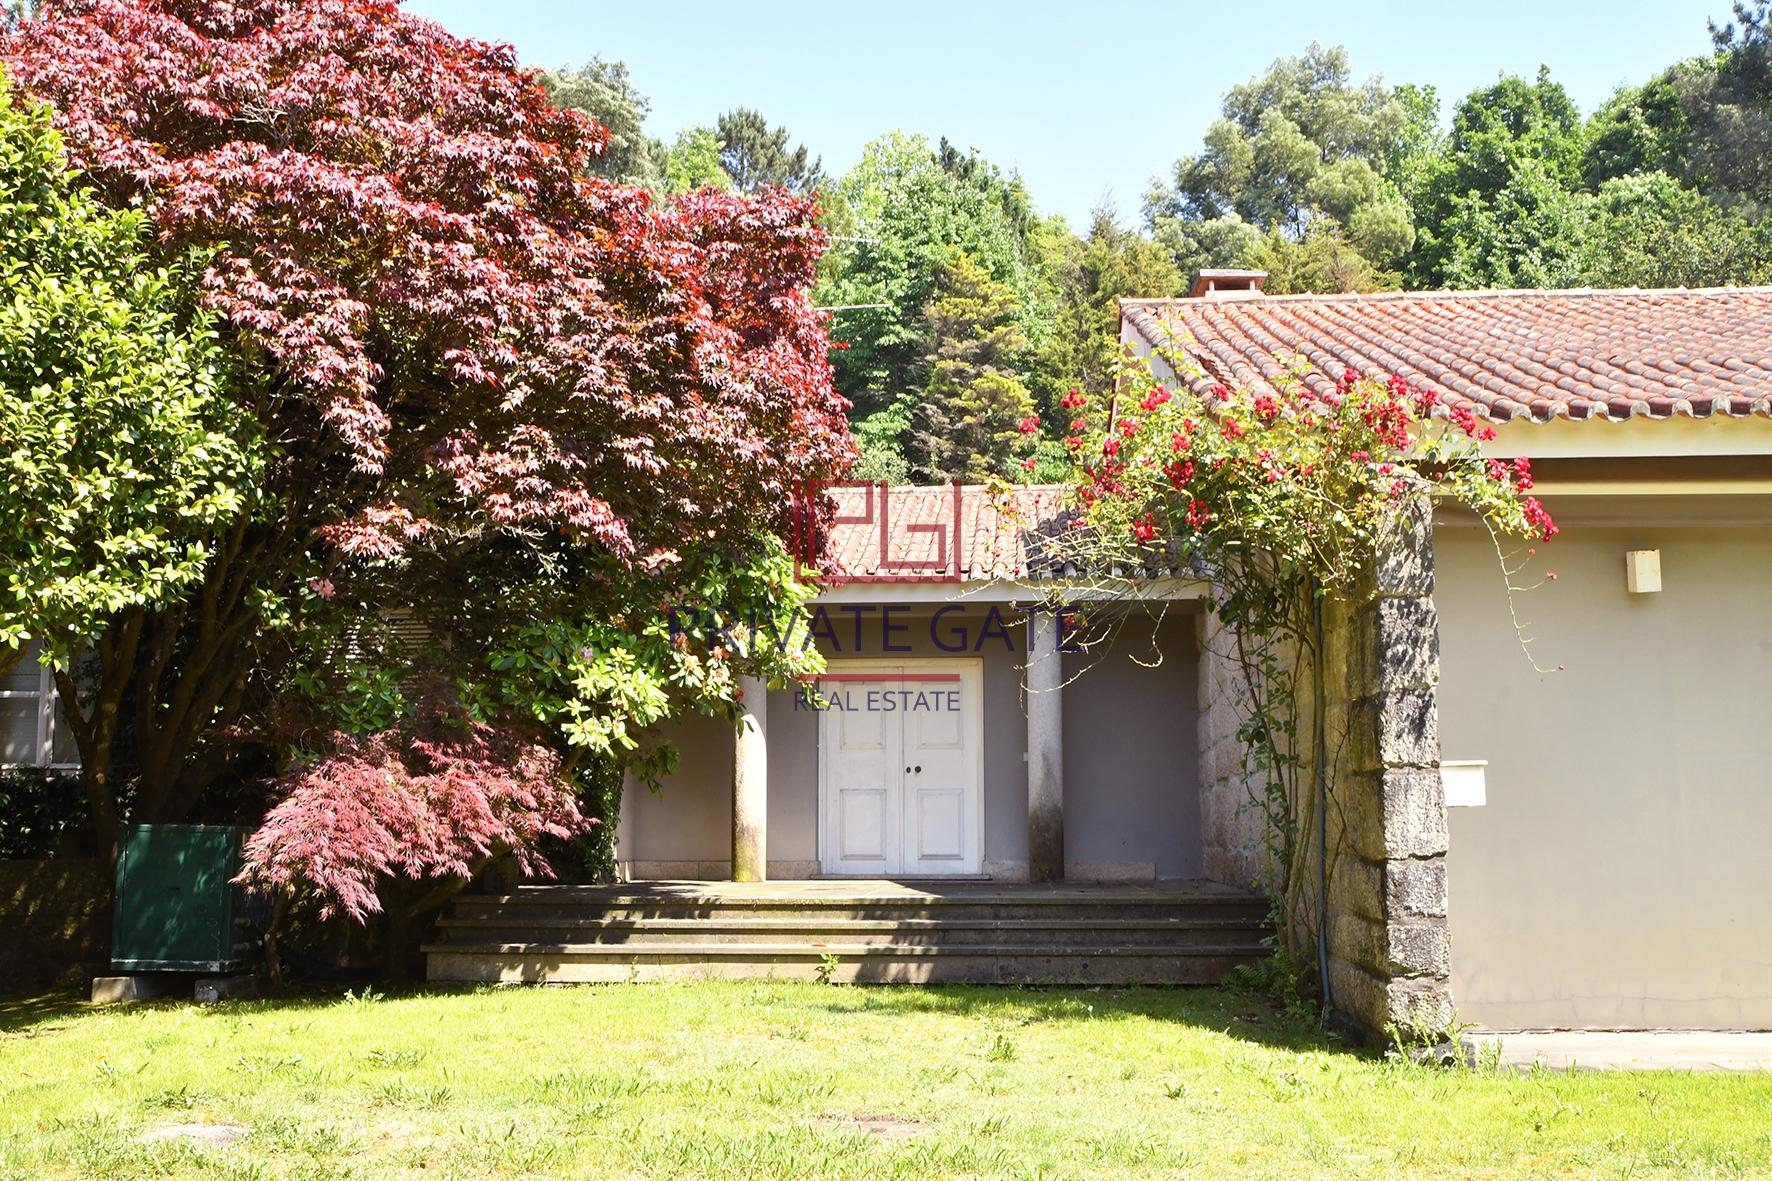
[1642, 571]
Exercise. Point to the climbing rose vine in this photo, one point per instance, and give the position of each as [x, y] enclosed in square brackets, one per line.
[1285, 498]
[1305, 477]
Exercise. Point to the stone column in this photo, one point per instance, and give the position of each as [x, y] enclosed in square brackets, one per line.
[1045, 693]
[1389, 950]
[1233, 843]
[750, 784]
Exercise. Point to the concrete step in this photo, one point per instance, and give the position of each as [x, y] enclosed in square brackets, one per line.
[863, 931]
[541, 963]
[1043, 930]
[532, 903]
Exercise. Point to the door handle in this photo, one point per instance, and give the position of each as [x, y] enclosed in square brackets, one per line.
[919, 769]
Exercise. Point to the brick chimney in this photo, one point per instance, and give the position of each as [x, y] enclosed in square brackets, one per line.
[1224, 284]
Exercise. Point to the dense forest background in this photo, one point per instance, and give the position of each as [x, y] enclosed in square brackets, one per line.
[965, 312]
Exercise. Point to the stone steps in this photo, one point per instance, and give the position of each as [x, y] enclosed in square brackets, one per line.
[538, 963]
[581, 902]
[1239, 933]
[862, 932]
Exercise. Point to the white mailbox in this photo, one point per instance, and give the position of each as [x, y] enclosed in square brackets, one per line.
[1463, 781]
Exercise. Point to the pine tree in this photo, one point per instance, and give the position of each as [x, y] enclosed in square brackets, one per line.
[973, 419]
[755, 154]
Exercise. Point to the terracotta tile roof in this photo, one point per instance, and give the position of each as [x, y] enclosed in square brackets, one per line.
[893, 533]
[903, 533]
[1507, 354]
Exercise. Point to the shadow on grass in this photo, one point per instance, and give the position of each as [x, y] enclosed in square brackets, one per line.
[1232, 1012]
[1235, 1013]
[27, 1016]
[38, 1013]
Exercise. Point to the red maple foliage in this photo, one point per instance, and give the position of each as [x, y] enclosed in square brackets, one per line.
[451, 332]
[434, 798]
[408, 233]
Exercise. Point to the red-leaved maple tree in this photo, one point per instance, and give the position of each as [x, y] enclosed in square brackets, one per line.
[426, 799]
[447, 327]
[428, 802]
[410, 234]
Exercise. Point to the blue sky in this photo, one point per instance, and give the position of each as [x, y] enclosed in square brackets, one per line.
[1085, 100]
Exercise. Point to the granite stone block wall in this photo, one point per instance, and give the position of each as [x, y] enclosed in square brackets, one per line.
[1382, 899]
[1389, 949]
[1232, 823]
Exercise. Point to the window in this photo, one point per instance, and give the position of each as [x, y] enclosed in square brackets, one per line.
[32, 730]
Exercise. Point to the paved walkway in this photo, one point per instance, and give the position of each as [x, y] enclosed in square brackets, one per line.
[1633, 1050]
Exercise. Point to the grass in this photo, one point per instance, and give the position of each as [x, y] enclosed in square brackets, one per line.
[797, 1080]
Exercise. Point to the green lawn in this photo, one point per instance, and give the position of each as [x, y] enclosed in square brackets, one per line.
[792, 1080]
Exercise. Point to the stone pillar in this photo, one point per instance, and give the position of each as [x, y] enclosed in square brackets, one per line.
[750, 784]
[1233, 828]
[1045, 693]
[1389, 948]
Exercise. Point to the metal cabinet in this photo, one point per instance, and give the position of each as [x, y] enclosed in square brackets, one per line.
[177, 907]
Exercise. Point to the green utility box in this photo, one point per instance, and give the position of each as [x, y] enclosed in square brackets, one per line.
[177, 907]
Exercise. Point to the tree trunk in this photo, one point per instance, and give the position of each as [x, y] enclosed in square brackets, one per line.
[410, 909]
[93, 720]
[273, 932]
[201, 653]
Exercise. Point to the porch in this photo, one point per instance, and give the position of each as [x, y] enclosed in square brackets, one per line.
[951, 741]
[963, 726]
[856, 931]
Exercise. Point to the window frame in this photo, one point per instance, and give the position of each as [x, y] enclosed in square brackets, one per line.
[47, 699]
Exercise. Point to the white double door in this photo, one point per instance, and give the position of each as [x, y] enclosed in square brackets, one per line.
[901, 769]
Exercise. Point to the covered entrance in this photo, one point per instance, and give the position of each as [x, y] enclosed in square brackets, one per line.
[901, 768]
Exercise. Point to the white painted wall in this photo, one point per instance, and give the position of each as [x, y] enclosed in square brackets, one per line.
[1620, 874]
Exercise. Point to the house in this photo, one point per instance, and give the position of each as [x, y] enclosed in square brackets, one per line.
[32, 730]
[1589, 854]
[981, 792]
[964, 731]
[1569, 837]
[1596, 855]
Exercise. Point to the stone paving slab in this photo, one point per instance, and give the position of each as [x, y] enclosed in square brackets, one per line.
[907, 889]
[1667, 1049]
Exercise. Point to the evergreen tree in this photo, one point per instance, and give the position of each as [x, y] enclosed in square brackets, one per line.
[1651, 231]
[1321, 259]
[1008, 191]
[755, 154]
[1093, 275]
[1504, 204]
[1730, 111]
[603, 90]
[1524, 195]
[900, 216]
[1642, 128]
[1303, 151]
[975, 414]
